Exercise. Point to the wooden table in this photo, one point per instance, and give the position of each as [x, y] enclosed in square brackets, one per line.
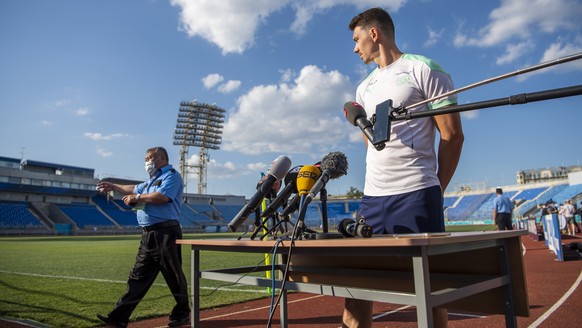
[474, 271]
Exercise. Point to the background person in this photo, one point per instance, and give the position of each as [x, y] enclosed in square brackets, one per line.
[404, 183]
[569, 212]
[502, 211]
[158, 201]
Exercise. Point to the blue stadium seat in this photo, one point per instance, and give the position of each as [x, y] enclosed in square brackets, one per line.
[466, 206]
[15, 215]
[124, 217]
[85, 215]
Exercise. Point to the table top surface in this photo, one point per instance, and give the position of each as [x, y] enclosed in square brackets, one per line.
[400, 240]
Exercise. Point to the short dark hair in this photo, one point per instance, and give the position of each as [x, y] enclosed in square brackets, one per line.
[499, 191]
[373, 16]
[160, 151]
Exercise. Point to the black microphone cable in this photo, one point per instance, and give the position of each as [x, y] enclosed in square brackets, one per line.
[285, 274]
[214, 290]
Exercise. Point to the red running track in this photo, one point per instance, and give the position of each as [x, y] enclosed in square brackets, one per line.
[554, 291]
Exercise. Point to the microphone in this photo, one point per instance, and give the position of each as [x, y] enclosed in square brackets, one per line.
[333, 166]
[306, 178]
[292, 206]
[356, 115]
[352, 228]
[290, 188]
[277, 171]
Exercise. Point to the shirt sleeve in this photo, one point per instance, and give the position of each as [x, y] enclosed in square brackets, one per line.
[138, 189]
[171, 185]
[435, 81]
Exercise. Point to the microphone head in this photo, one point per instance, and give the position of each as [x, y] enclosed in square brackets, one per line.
[291, 177]
[279, 167]
[306, 178]
[342, 227]
[353, 111]
[335, 163]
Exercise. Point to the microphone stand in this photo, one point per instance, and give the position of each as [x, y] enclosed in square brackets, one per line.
[323, 199]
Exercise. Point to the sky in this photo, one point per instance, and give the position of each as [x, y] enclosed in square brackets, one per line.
[95, 83]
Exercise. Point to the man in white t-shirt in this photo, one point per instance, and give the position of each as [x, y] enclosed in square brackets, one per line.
[569, 213]
[404, 181]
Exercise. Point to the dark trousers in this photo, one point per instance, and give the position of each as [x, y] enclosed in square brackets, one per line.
[157, 252]
[503, 221]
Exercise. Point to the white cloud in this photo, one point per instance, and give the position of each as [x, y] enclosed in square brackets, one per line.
[96, 136]
[297, 117]
[104, 152]
[83, 111]
[232, 24]
[514, 51]
[286, 75]
[229, 24]
[229, 86]
[559, 50]
[433, 36]
[306, 9]
[522, 18]
[46, 123]
[555, 51]
[62, 102]
[211, 80]
[470, 115]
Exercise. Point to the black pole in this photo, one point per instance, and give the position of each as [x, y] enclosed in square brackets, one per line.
[511, 100]
[323, 199]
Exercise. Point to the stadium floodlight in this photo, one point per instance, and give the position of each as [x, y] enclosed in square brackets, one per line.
[198, 125]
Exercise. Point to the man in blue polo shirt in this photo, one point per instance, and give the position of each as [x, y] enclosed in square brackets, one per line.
[502, 210]
[157, 202]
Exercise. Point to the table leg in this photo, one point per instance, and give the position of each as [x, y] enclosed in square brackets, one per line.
[509, 308]
[283, 309]
[424, 311]
[195, 285]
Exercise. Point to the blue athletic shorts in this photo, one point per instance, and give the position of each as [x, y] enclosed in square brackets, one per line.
[413, 212]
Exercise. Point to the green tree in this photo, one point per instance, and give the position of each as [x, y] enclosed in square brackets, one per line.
[354, 193]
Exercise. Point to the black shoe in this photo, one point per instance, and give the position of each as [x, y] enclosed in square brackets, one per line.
[110, 322]
[178, 322]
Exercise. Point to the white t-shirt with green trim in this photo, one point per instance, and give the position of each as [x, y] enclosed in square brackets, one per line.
[408, 162]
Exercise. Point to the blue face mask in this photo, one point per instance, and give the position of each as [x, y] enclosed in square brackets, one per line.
[150, 167]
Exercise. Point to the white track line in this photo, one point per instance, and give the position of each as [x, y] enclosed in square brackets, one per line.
[390, 312]
[259, 308]
[558, 304]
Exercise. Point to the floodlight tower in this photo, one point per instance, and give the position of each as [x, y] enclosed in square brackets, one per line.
[198, 125]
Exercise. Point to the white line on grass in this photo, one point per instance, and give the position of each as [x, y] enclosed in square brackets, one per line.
[121, 282]
[558, 304]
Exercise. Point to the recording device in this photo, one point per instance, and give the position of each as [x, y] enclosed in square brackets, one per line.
[354, 228]
[277, 171]
[290, 188]
[377, 132]
[333, 166]
[382, 123]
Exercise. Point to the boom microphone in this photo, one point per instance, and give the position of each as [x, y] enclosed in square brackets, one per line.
[277, 171]
[333, 166]
[290, 188]
[356, 115]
